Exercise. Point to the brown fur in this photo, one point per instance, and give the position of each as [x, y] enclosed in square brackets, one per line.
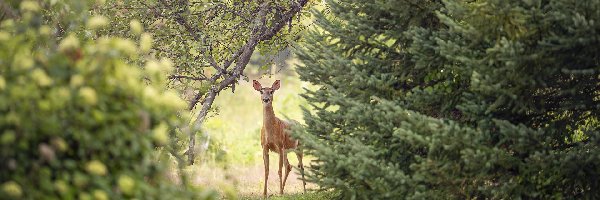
[278, 132]
[275, 137]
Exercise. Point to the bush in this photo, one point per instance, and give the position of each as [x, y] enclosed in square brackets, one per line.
[77, 120]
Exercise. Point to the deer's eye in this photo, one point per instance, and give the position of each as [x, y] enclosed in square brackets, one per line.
[271, 92]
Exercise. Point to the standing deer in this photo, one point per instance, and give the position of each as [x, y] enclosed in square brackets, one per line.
[275, 136]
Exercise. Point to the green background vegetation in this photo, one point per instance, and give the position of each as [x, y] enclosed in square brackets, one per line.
[454, 99]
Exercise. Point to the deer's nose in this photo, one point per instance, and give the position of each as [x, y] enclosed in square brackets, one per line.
[266, 100]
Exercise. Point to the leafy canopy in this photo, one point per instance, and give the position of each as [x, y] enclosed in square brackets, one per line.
[210, 42]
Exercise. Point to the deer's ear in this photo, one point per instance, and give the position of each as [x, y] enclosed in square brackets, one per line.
[256, 85]
[276, 85]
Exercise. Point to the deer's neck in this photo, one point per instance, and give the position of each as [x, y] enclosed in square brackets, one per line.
[269, 118]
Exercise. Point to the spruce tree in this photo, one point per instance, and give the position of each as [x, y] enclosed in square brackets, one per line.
[461, 99]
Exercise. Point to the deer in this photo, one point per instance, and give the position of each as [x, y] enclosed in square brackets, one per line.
[275, 136]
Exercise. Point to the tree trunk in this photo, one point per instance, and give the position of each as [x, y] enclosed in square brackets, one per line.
[210, 98]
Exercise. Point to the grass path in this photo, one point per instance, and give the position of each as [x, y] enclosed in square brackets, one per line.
[248, 181]
[307, 196]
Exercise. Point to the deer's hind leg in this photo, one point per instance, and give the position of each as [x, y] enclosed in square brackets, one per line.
[299, 154]
[288, 167]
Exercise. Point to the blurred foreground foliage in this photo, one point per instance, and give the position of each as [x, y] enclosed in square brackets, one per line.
[78, 119]
[490, 99]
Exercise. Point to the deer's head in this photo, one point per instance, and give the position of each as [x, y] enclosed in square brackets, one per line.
[266, 94]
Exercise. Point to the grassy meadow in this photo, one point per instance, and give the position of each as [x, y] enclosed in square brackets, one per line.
[233, 160]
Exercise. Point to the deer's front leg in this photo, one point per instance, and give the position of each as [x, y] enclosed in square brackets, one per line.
[266, 162]
[279, 172]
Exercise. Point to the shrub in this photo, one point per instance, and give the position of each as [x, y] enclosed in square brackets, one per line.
[77, 120]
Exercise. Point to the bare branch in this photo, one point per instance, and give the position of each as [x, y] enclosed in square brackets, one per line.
[283, 20]
[187, 77]
[195, 34]
[196, 98]
[7, 11]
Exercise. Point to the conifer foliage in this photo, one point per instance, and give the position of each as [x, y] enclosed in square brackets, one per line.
[455, 99]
